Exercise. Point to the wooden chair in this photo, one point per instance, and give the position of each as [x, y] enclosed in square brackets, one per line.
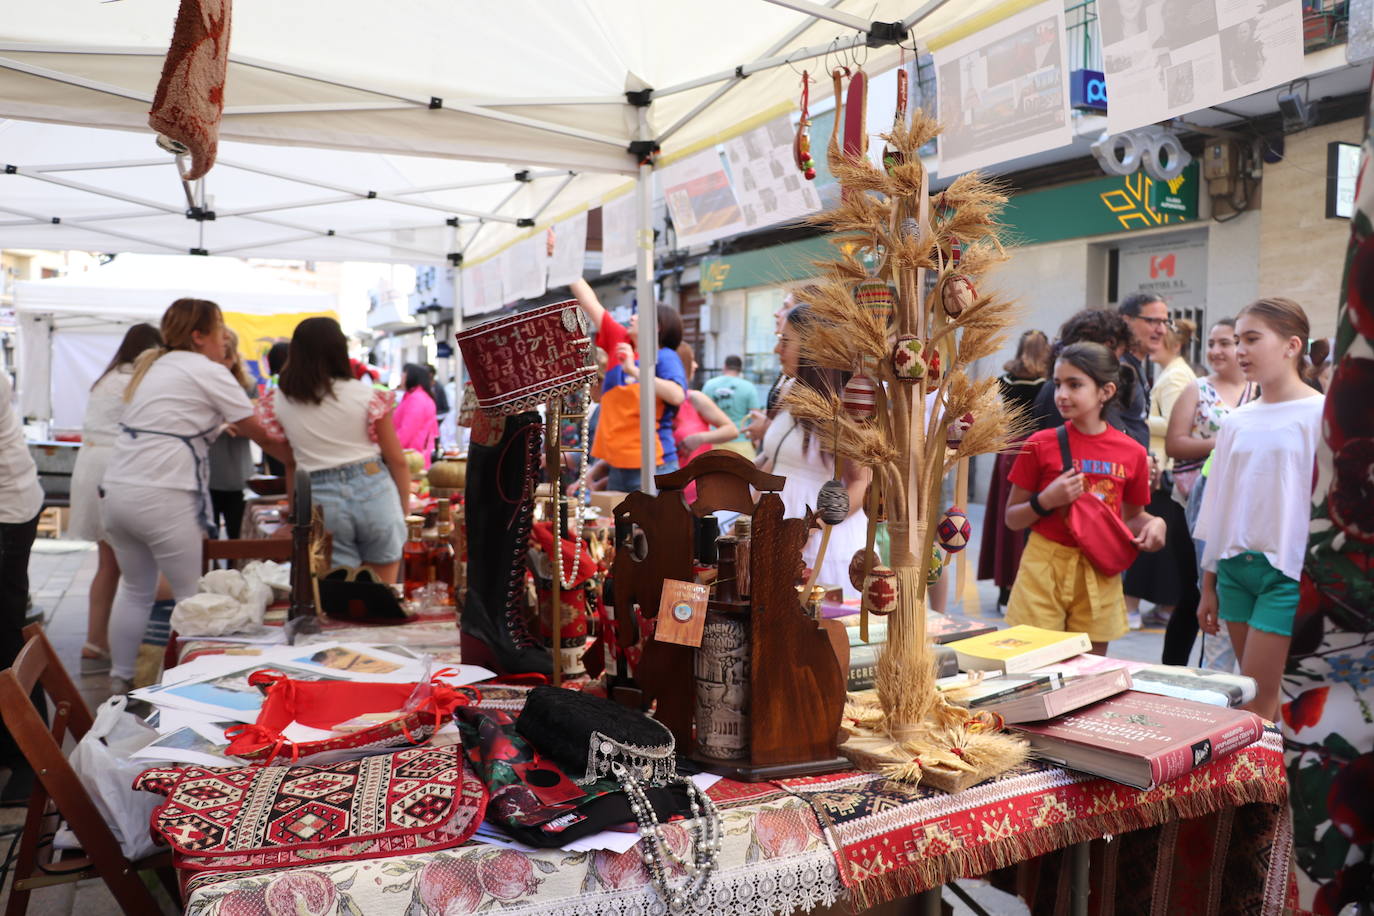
[58, 789]
[213, 549]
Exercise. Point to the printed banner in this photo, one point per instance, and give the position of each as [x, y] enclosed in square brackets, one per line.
[569, 250]
[1004, 91]
[700, 199]
[1171, 58]
[766, 179]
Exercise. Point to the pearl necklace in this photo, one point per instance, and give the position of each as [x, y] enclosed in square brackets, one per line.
[706, 840]
[582, 496]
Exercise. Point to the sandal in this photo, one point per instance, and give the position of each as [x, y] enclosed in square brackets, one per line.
[94, 660]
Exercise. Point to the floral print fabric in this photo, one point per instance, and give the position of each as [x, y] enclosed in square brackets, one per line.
[1329, 682]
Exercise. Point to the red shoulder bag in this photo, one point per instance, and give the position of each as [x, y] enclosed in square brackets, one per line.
[1097, 527]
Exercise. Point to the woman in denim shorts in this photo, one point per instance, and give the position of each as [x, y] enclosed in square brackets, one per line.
[340, 430]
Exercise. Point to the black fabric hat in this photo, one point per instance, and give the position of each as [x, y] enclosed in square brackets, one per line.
[586, 735]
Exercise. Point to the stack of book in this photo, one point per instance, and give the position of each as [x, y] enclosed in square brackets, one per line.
[940, 629]
[1134, 723]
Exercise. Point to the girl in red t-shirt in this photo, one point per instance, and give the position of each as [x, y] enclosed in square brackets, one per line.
[1056, 587]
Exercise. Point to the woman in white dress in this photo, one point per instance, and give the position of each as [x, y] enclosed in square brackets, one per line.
[799, 450]
[98, 432]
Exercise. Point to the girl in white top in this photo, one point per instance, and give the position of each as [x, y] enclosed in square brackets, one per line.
[340, 430]
[1255, 509]
[156, 500]
[99, 431]
[796, 449]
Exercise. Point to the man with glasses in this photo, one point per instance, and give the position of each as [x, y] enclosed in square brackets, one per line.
[1148, 318]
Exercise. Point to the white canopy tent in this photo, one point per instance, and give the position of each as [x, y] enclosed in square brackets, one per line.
[70, 326]
[587, 86]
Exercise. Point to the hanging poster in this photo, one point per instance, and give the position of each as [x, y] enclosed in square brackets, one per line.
[618, 233]
[569, 250]
[767, 182]
[700, 199]
[1004, 92]
[473, 303]
[492, 293]
[1174, 57]
[522, 269]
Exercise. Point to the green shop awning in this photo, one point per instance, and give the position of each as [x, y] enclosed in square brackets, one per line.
[1101, 206]
[772, 266]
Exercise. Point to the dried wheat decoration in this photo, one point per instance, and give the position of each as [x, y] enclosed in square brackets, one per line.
[888, 228]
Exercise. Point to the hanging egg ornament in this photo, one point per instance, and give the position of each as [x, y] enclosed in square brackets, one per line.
[880, 591]
[832, 503]
[956, 251]
[908, 358]
[956, 294]
[933, 366]
[954, 530]
[955, 434]
[859, 398]
[877, 298]
[856, 567]
[937, 565]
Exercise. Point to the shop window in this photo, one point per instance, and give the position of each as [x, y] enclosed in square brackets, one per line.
[760, 335]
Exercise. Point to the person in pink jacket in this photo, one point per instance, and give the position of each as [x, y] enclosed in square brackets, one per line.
[417, 424]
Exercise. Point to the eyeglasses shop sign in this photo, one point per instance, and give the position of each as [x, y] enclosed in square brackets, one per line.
[1173, 266]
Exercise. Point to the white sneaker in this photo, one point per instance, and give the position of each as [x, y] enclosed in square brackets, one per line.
[1133, 620]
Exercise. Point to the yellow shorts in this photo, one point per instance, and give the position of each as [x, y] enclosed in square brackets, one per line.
[1057, 588]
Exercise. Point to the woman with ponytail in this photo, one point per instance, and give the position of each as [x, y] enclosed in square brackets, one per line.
[155, 500]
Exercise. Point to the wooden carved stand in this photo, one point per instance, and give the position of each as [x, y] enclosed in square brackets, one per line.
[796, 687]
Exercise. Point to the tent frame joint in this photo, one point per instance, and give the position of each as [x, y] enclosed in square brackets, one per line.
[639, 98]
[881, 34]
[198, 251]
[452, 222]
[435, 102]
[455, 258]
[524, 222]
[523, 176]
[643, 150]
[11, 169]
[200, 214]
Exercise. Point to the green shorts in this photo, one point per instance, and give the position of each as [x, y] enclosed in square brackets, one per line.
[1251, 591]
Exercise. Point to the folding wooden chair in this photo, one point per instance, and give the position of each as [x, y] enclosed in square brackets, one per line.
[59, 794]
[213, 549]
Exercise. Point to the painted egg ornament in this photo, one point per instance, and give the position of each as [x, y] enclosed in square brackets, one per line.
[877, 298]
[933, 366]
[956, 294]
[957, 428]
[880, 591]
[937, 565]
[860, 398]
[954, 530]
[908, 358]
[856, 567]
[832, 503]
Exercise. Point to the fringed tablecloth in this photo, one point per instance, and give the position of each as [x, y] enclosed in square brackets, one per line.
[1217, 841]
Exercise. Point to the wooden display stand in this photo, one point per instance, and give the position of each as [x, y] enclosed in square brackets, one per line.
[796, 686]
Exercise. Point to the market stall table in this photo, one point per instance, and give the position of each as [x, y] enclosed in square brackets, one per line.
[1221, 834]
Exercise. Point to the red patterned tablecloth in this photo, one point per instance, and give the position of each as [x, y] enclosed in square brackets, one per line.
[1217, 841]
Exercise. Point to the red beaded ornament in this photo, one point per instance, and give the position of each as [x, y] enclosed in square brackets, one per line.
[801, 145]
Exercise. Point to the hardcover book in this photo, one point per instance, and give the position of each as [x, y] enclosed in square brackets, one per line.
[1045, 701]
[1202, 685]
[1018, 649]
[1141, 739]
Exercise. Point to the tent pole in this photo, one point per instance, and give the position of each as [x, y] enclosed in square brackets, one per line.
[648, 326]
[816, 11]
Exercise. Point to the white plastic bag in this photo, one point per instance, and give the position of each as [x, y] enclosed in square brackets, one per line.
[101, 761]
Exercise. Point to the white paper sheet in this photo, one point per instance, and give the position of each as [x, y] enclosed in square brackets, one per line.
[1004, 91]
[618, 225]
[569, 250]
[1163, 60]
